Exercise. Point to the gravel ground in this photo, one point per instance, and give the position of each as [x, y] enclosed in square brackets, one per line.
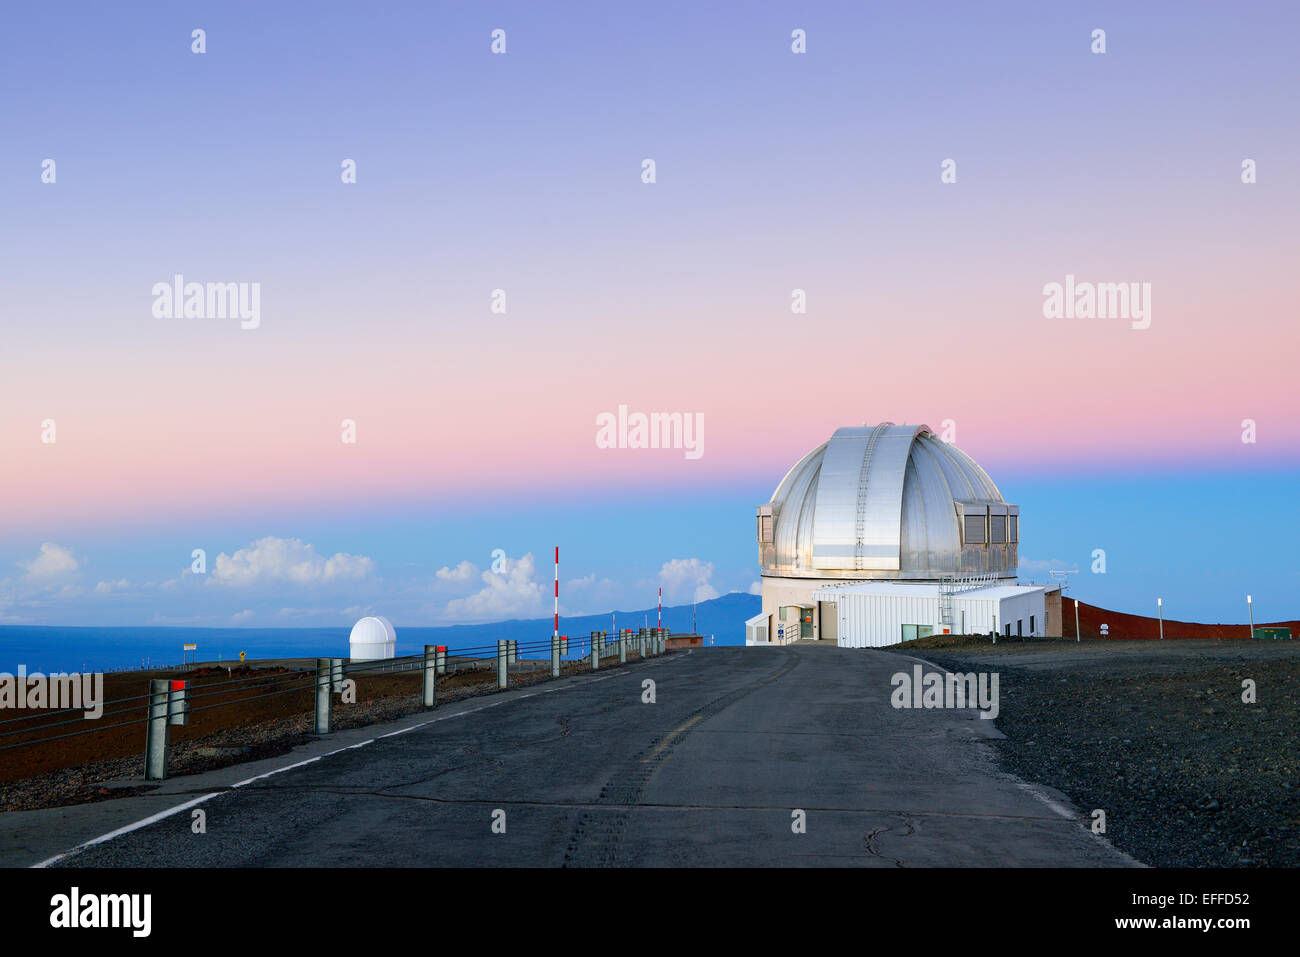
[119, 777]
[1157, 736]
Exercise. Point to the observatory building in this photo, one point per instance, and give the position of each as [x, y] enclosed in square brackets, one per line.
[372, 639]
[886, 533]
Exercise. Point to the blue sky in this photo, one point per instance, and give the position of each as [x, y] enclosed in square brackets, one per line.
[522, 171]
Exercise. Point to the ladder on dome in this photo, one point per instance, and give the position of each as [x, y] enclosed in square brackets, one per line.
[863, 472]
[951, 584]
[946, 588]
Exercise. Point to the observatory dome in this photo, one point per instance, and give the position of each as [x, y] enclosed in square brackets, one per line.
[372, 639]
[887, 502]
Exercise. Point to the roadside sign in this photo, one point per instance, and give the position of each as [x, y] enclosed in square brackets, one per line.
[189, 647]
[241, 656]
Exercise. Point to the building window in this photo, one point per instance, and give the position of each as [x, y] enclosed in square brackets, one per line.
[1019, 626]
[998, 525]
[974, 529]
[1013, 528]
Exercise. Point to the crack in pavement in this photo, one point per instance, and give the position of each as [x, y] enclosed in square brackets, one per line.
[871, 839]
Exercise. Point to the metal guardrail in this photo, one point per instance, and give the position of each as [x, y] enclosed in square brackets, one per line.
[170, 702]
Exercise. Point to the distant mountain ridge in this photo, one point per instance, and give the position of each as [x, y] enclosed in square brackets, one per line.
[723, 617]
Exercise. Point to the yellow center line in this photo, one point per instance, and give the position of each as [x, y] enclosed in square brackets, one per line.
[680, 729]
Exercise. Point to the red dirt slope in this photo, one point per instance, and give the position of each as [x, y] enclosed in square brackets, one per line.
[1125, 626]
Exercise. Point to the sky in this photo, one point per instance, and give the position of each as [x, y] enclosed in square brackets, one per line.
[129, 439]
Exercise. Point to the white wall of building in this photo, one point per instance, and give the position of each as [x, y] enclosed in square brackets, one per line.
[873, 616]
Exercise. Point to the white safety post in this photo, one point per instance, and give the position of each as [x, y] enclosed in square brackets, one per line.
[155, 741]
[324, 667]
[430, 675]
[178, 703]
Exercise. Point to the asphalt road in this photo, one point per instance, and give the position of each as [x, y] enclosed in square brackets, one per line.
[587, 774]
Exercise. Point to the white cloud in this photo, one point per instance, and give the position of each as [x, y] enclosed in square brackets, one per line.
[1051, 564]
[509, 594]
[462, 574]
[287, 559]
[240, 617]
[687, 579]
[756, 588]
[52, 561]
[589, 595]
[107, 588]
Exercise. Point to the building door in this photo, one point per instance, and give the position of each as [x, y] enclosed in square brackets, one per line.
[828, 614]
[806, 623]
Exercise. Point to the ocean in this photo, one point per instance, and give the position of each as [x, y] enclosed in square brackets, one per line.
[59, 648]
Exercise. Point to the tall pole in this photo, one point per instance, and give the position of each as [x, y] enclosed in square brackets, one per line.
[1250, 610]
[660, 622]
[557, 592]
[1078, 637]
[1160, 609]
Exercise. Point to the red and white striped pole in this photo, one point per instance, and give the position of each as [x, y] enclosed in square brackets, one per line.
[661, 607]
[557, 591]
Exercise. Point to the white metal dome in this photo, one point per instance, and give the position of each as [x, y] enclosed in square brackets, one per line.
[887, 502]
[372, 638]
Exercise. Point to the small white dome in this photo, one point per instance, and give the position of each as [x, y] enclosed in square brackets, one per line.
[372, 638]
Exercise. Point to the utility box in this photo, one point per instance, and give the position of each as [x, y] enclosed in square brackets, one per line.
[1273, 634]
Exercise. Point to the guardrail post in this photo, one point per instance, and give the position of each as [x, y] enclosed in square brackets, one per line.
[512, 652]
[622, 647]
[442, 659]
[323, 700]
[503, 655]
[555, 656]
[178, 703]
[336, 675]
[642, 637]
[430, 675]
[155, 740]
[595, 652]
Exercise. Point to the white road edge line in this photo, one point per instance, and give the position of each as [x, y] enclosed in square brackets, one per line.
[162, 815]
